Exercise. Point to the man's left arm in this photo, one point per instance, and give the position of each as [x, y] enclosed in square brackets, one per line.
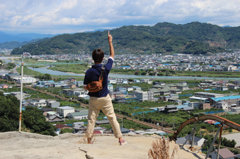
[86, 81]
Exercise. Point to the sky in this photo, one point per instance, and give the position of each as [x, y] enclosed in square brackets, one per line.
[71, 16]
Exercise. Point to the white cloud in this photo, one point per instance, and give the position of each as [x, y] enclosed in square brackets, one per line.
[77, 15]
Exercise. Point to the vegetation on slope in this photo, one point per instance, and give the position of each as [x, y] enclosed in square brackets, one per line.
[194, 38]
[33, 119]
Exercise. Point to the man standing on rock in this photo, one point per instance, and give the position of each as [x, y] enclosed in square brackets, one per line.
[100, 99]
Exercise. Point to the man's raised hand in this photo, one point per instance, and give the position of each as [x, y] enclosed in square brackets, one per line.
[109, 37]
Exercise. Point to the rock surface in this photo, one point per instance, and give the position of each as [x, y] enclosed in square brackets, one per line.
[15, 145]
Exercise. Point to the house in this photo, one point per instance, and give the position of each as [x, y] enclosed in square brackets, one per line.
[223, 154]
[4, 86]
[125, 81]
[113, 81]
[124, 130]
[234, 108]
[232, 68]
[222, 88]
[79, 83]
[110, 87]
[79, 127]
[232, 86]
[55, 118]
[230, 100]
[175, 91]
[53, 104]
[207, 95]
[25, 79]
[222, 105]
[79, 92]
[50, 113]
[148, 81]
[46, 110]
[83, 114]
[18, 95]
[63, 111]
[136, 81]
[78, 124]
[68, 92]
[185, 107]
[39, 103]
[164, 91]
[170, 109]
[136, 88]
[99, 122]
[205, 106]
[195, 105]
[182, 86]
[122, 90]
[155, 91]
[188, 140]
[143, 96]
[130, 89]
[200, 99]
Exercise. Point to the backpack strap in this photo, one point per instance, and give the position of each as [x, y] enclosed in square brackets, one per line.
[101, 75]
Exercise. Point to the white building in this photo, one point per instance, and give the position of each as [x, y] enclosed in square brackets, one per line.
[39, 103]
[232, 68]
[26, 79]
[113, 81]
[65, 110]
[53, 103]
[188, 140]
[222, 105]
[143, 96]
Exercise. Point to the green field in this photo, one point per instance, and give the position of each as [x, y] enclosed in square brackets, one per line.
[75, 68]
[81, 68]
[27, 71]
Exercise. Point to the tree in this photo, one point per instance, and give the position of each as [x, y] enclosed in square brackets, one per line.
[36, 122]
[10, 66]
[8, 113]
[44, 77]
[33, 118]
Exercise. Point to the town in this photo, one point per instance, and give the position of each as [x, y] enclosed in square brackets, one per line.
[151, 101]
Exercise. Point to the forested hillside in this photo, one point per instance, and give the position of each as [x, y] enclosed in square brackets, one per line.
[192, 38]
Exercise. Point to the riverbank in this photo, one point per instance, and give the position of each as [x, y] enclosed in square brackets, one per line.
[45, 70]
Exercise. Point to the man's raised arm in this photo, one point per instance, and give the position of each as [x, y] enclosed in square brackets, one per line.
[110, 45]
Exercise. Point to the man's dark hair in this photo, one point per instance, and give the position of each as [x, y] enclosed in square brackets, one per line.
[97, 55]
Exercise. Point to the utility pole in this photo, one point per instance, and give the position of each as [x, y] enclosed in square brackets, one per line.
[122, 122]
[21, 97]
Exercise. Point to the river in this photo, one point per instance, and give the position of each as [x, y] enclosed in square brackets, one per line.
[59, 73]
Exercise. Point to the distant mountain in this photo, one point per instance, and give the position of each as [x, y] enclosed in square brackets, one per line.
[10, 37]
[191, 38]
[11, 45]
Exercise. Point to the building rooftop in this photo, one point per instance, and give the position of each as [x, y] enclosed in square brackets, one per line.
[66, 108]
[198, 98]
[225, 153]
[225, 98]
[208, 93]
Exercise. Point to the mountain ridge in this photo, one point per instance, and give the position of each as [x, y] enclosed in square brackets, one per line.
[191, 38]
